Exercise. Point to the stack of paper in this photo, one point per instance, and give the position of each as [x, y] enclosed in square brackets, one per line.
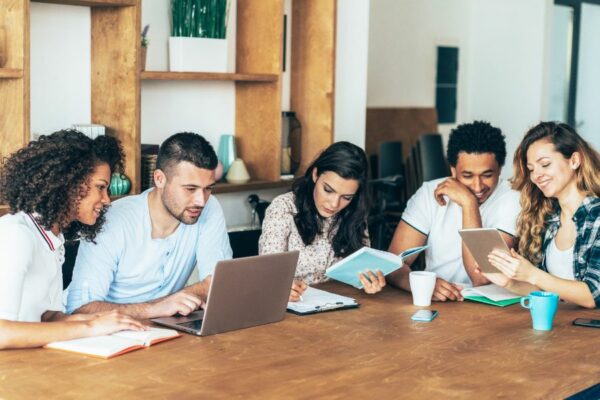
[316, 300]
[491, 294]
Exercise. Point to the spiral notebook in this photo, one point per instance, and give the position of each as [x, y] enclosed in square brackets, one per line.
[316, 300]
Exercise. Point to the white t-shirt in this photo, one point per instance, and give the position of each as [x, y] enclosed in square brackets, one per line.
[560, 262]
[441, 225]
[31, 261]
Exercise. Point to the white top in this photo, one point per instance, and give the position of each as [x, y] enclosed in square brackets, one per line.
[31, 261]
[441, 225]
[560, 262]
[126, 265]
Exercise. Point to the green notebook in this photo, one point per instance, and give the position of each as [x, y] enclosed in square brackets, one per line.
[501, 303]
[491, 294]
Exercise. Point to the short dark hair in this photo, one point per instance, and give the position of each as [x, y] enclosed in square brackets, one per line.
[186, 146]
[476, 138]
[349, 162]
[46, 177]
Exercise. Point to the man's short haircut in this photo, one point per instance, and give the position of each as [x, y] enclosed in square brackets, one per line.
[476, 138]
[186, 146]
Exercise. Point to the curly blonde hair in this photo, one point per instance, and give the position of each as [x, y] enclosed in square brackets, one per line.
[535, 207]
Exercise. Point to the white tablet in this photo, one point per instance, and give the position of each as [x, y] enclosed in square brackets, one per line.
[481, 242]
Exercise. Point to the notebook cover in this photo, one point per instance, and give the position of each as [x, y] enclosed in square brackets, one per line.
[502, 303]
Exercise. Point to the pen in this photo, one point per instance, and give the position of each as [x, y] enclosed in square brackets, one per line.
[301, 298]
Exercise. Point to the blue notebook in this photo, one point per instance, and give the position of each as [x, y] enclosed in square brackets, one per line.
[365, 259]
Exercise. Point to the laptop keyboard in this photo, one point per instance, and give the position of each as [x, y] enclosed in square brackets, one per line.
[191, 324]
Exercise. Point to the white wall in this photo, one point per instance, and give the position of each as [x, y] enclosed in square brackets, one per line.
[60, 67]
[502, 52]
[352, 47]
[507, 66]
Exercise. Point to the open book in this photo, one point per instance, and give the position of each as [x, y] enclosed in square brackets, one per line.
[365, 259]
[316, 300]
[491, 294]
[116, 344]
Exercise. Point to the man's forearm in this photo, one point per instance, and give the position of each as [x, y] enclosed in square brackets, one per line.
[399, 278]
[200, 289]
[135, 310]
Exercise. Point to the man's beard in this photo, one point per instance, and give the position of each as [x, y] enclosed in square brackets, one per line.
[179, 216]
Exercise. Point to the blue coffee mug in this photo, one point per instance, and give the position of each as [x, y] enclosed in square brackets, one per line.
[542, 306]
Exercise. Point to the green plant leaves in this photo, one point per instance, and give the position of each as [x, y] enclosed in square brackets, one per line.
[199, 18]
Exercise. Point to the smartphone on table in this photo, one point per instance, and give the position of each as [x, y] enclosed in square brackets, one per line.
[424, 315]
[593, 323]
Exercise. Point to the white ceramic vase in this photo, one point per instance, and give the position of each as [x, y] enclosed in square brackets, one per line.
[237, 172]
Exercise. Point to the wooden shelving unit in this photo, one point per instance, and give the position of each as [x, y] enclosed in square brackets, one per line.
[116, 80]
[92, 3]
[10, 73]
[252, 185]
[206, 76]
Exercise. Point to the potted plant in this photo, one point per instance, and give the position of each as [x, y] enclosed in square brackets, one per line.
[198, 35]
[145, 43]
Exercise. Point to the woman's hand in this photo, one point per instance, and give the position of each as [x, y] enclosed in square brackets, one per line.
[111, 322]
[298, 287]
[513, 266]
[372, 283]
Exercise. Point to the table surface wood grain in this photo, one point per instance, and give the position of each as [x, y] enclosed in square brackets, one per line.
[470, 350]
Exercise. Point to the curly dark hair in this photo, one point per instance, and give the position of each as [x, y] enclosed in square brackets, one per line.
[349, 162]
[50, 175]
[476, 137]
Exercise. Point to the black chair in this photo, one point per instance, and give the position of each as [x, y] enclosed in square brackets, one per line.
[431, 157]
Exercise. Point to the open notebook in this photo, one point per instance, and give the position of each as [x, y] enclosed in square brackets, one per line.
[316, 300]
[491, 294]
[116, 344]
[347, 270]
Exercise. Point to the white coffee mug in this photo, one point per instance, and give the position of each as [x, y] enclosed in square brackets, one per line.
[422, 284]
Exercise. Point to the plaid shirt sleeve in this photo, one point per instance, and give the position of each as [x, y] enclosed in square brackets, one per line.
[592, 273]
[587, 255]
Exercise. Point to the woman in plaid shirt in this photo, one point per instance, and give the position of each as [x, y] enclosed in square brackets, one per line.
[558, 175]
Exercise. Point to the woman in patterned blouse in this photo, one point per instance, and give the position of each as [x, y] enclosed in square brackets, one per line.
[324, 217]
[558, 174]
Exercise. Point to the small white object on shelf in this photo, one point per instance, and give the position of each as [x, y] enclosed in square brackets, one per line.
[90, 130]
[237, 172]
[190, 54]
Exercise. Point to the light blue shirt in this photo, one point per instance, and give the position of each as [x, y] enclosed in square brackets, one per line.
[127, 266]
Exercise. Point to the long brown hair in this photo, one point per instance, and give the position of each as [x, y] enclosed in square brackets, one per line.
[535, 207]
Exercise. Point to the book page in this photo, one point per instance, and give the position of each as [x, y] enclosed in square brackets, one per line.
[315, 299]
[99, 346]
[491, 291]
[147, 338]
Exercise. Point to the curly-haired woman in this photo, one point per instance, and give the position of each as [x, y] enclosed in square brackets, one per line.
[558, 174]
[56, 188]
[324, 217]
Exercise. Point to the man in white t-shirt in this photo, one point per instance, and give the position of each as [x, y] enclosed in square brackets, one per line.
[473, 197]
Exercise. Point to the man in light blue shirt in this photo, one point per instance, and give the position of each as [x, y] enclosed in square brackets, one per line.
[151, 242]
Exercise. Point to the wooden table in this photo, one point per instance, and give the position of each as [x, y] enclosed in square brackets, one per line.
[375, 352]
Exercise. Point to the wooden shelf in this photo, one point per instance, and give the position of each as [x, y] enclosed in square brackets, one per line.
[206, 76]
[91, 3]
[252, 185]
[10, 73]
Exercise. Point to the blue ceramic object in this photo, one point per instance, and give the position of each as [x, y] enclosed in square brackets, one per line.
[543, 307]
[119, 184]
[226, 152]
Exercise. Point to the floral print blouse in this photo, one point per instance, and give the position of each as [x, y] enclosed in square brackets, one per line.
[279, 234]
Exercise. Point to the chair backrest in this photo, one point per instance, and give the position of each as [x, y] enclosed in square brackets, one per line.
[390, 159]
[432, 161]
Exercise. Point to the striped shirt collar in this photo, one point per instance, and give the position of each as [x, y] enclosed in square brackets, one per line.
[52, 241]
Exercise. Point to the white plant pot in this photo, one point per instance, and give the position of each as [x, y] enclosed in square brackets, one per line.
[197, 54]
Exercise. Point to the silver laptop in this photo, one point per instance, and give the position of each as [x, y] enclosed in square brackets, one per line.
[244, 292]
